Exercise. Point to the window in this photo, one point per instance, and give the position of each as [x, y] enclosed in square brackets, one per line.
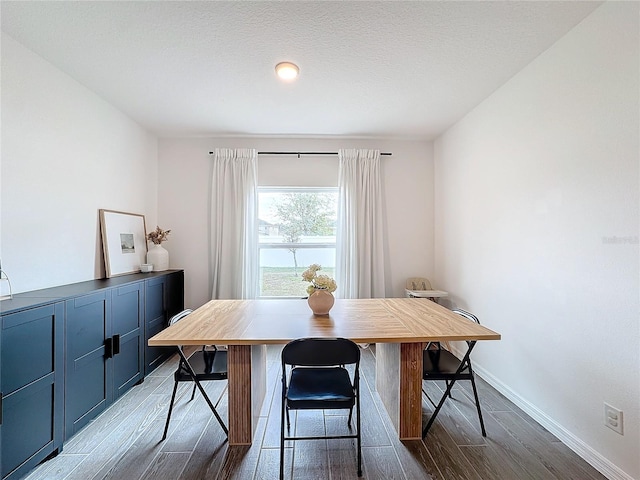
[296, 227]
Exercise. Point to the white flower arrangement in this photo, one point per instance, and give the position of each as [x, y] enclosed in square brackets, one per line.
[318, 282]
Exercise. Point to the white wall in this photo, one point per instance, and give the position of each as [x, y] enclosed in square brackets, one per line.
[184, 185]
[65, 154]
[537, 232]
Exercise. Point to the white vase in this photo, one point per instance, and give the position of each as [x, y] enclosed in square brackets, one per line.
[158, 257]
[320, 302]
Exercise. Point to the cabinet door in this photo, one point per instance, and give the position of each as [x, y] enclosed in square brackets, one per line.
[155, 321]
[88, 387]
[31, 382]
[127, 332]
[164, 297]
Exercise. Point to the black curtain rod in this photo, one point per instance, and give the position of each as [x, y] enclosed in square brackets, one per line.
[304, 153]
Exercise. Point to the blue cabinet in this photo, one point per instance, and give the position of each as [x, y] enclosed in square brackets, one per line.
[31, 382]
[66, 353]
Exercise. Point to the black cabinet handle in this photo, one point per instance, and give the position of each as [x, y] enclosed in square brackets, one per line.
[116, 344]
[0, 408]
[108, 347]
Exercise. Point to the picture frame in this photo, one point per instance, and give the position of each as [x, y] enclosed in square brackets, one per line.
[124, 241]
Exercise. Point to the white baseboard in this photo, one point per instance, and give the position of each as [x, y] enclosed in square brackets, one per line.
[594, 458]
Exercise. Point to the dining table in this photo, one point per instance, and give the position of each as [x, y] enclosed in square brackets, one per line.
[399, 327]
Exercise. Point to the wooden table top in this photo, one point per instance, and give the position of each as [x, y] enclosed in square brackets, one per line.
[376, 320]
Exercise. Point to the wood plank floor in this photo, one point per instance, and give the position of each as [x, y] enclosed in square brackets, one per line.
[124, 442]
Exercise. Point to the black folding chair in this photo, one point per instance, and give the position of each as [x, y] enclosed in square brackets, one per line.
[441, 364]
[206, 364]
[318, 379]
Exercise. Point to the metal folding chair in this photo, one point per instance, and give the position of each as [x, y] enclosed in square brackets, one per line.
[205, 364]
[441, 364]
[318, 379]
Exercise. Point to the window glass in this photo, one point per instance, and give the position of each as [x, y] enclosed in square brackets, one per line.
[296, 227]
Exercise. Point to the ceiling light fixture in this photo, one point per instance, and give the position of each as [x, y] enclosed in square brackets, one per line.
[287, 71]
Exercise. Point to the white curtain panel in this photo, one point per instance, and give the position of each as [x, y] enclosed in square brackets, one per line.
[359, 236]
[234, 226]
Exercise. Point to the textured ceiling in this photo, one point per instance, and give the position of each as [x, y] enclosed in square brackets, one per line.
[366, 68]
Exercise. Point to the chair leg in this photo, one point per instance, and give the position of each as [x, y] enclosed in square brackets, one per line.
[427, 395]
[173, 397]
[193, 393]
[438, 407]
[282, 420]
[464, 363]
[350, 416]
[188, 368]
[215, 412]
[359, 437]
[475, 395]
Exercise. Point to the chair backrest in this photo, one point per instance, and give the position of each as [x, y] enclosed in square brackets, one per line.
[467, 315]
[418, 283]
[321, 352]
[179, 316]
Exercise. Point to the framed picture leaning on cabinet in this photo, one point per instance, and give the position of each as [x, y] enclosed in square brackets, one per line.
[124, 242]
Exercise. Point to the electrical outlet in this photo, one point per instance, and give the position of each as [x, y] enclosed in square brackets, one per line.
[613, 418]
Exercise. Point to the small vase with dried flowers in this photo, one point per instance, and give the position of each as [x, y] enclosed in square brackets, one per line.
[157, 255]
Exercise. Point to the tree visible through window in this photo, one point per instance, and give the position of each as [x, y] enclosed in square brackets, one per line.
[297, 227]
